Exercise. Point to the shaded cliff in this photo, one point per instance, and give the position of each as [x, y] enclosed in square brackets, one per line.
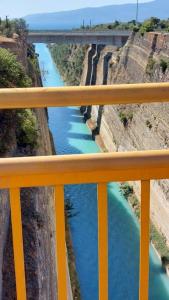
[136, 127]
[69, 61]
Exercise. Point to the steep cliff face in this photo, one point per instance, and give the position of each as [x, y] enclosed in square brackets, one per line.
[16, 45]
[141, 60]
[37, 203]
[38, 231]
[137, 127]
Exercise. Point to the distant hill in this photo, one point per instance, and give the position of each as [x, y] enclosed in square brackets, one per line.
[98, 15]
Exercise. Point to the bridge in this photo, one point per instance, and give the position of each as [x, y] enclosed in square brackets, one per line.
[116, 38]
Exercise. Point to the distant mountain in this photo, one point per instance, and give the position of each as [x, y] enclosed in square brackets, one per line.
[98, 15]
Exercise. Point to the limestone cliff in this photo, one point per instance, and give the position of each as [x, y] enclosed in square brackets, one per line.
[136, 127]
[16, 45]
[37, 203]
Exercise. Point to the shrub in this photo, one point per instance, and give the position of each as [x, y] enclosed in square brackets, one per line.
[148, 124]
[149, 25]
[125, 117]
[150, 66]
[159, 241]
[12, 72]
[27, 132]
[130, 116]
[165, 260]
[137, 212]
[164, 64]
[134, 201]
[126, 190]
[136, 28]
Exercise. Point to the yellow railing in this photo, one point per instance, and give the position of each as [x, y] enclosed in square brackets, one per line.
[78, 169]
[84, 95]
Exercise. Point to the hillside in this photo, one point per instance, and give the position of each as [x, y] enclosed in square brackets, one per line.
[74, 18]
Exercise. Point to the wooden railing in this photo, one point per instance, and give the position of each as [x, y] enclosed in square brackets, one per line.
[57, 171]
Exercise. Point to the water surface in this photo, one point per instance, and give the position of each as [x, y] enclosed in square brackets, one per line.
[71, 136]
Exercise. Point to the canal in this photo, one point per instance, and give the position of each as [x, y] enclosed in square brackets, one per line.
[71, 135]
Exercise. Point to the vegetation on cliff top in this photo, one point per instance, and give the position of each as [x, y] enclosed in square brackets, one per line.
[69, 60]
[152, 24]
[9, 27]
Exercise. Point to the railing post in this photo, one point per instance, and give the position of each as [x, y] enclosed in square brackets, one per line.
[18, 243]
[103, 241]
[61, 263]
[144, 240]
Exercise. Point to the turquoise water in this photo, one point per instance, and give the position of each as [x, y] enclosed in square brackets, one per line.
[71, 135]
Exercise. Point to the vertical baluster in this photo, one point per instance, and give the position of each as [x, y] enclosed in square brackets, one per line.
[61, 243]
[103, 241]
[144, 240]
[18, 243]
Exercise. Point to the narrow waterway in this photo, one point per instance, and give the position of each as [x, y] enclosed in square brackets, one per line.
[71, 136]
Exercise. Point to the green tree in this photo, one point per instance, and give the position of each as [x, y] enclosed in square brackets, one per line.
[6, 22]
[8, 27]
[110, 26]
[150, 25]
[116, 23]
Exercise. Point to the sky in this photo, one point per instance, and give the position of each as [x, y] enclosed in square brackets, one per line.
[21, 8]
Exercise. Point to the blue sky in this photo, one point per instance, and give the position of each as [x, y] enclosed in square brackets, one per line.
[19, 8]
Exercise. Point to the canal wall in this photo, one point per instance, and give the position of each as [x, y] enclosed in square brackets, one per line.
[16, 45]
[37, 203]
[136, 127]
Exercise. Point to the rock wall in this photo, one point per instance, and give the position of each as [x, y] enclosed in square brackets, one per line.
[37, 206]
[16, 45]
[137, 127]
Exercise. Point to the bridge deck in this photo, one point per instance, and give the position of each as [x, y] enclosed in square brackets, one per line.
[80, 32]
[116, 38]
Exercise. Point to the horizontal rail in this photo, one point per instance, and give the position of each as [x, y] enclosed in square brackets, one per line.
[84, 95]
[86, 168]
